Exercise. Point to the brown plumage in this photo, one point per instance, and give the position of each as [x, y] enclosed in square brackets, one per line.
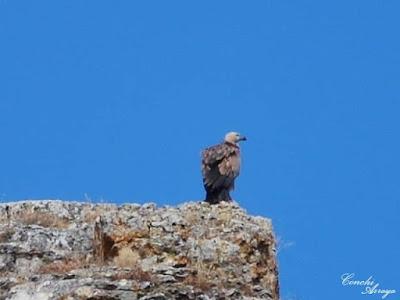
[220, 167]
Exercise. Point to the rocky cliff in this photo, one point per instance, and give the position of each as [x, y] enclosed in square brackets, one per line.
[70, 250]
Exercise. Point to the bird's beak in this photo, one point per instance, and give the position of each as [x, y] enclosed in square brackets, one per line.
[243, 138]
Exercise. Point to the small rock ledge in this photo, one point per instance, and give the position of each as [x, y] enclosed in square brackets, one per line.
[69, 250]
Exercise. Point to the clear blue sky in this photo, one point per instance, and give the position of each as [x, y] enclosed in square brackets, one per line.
[116, 99]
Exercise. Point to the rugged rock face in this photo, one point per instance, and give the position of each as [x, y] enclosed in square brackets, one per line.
[68, 250]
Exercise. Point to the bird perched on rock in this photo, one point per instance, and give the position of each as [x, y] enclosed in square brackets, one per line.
[220, 166]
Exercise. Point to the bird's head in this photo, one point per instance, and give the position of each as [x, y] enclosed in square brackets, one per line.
[234, 137]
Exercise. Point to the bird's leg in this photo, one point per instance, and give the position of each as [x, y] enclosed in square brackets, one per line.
[228, 196]
[212, 197]
[216, 196]
[224, 195]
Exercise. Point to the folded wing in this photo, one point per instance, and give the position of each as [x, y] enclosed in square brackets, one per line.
[220, 166]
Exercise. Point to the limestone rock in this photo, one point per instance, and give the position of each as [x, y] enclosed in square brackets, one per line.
[68, 250]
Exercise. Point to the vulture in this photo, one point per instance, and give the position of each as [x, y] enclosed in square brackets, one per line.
[220, 166]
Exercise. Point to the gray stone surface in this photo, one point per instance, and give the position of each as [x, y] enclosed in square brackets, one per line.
[70, 250]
